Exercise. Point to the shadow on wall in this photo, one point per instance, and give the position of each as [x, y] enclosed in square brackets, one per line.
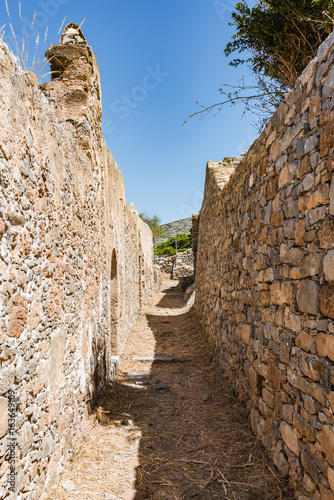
[194, 432]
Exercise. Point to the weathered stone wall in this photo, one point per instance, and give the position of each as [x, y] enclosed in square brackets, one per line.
[265, 279]
[195, 233]
[76, 262]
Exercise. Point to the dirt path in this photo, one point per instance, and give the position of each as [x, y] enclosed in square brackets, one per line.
[175, 432]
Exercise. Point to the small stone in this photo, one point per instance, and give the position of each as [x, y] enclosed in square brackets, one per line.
[68, 486]
[331, 198]
[325, 345]
[326, 494]
[311, 265]
[109, 496]
[206, 397]
[310, 366]
[16, 219]
[326, 441]
[326, 299]
[328, 87]
[305, 341]
[127, 421]
[18, 317]
[308, 484]
[138, 375]
[330, 473]
[308, 297]
[161, 386]
[47, 445]
[326, 235]
[309, 466]
[289, 437]
[27, 438]
[329, 266]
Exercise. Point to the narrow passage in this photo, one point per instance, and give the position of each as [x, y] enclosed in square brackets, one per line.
[169, 429]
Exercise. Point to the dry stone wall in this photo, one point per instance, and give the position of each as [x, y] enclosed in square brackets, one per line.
[265, 279]
[75, 262]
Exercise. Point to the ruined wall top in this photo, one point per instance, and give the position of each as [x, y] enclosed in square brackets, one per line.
[74, 92]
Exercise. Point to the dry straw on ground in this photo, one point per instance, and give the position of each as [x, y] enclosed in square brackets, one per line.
[190, 440]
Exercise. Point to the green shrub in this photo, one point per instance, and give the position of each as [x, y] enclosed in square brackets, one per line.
[182, 241]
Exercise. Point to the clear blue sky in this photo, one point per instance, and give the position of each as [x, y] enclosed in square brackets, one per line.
[157, 58]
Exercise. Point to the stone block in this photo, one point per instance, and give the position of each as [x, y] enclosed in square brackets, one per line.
[18, 317]
[286, 293]
[27, 438]
[290, 437]
[58, 346]
[317, 215]
[326, 235]
[292, 255]
[285, 347]
[328, 86]
[329, 266]
[7, 379]
[300, 232]
[305, 341]
[331, 197]
[325, 493]
[310, 467]
[310, 366]
[312, 265]
[314, 199]
[325, 345]
[326, 139]
[330, 473]
[272, 188]
[291, 208]
[308, 484]
[280, 460]
[246, 331]
[326, 300]
[308, 297]
[47, 445]
[326, 442]
[3, 416]
[287, 413]
[274, 376]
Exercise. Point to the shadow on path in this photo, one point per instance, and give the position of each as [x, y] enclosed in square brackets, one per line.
[196, 442]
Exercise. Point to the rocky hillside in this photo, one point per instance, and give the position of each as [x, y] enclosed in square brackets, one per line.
[173, 228]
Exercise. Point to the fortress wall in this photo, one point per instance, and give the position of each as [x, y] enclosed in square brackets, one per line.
[265, 278]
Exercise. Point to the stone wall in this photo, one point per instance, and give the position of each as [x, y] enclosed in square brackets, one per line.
[184, 263]
[265, 279]
[75, 261]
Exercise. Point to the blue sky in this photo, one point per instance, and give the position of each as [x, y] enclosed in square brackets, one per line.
[157, 58]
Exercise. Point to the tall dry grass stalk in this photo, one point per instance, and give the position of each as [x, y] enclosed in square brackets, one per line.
[21, 48]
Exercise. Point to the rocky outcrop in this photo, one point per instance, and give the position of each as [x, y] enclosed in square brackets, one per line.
[75, 262]
[264, 279]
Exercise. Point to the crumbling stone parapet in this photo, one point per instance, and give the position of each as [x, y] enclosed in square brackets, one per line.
[74, 92]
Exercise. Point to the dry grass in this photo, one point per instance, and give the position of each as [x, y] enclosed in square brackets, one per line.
[192, 441]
